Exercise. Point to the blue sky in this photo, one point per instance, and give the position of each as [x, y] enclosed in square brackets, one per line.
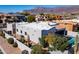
[16, 8]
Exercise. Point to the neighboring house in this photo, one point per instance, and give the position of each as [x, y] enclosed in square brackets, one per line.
[11, 18]
[70, 25]
[3, 26]
[36, 30]
[7, 21]
[40, 18]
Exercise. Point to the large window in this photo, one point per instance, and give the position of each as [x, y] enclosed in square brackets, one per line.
[25, 33]
[17, 30]
[21, 18]
[21, 31]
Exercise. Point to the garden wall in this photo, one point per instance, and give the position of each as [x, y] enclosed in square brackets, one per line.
[20, 45]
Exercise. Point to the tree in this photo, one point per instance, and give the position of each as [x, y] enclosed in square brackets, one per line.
[37, 49]
[31, 18]
[50, 38]
[24, 13]
[43, 42]
[41, 13]
[60, 43]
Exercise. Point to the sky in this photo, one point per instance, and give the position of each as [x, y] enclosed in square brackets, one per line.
[17, 8]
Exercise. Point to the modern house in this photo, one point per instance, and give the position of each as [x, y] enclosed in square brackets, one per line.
[36, 30]
[11, 18]
[6, 21]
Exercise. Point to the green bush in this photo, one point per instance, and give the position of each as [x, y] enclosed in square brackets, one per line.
[15, 45]
[2, 34]
[10, 40]
[22, 39]
[25, 52]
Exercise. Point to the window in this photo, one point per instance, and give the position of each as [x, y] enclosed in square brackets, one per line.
[21, 31]
[25, 33]
[17, 30]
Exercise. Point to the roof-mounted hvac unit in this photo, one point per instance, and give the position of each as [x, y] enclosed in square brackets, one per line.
[52, 23]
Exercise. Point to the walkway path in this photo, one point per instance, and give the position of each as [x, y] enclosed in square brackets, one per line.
[8, 48]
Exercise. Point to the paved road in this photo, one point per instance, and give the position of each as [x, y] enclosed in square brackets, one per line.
[8, 48]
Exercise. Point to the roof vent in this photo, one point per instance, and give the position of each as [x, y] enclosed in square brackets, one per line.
[52, 23]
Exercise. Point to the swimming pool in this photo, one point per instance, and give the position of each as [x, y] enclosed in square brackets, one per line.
[71, 41]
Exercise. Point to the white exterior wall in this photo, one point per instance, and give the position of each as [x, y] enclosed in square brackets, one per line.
[73, 34]
[33, 30]
[20, 45]
[33, 33]
[9, 27]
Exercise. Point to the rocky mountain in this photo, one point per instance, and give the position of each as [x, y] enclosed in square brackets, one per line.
[58, 10]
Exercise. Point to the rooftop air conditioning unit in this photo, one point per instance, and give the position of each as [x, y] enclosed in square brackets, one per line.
[52, 23]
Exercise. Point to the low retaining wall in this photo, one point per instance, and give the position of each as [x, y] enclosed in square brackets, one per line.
[20, 45]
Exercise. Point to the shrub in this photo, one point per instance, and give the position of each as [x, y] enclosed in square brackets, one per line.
[2, 34]
[37, 49]
[25, 52]
[10, 40]
[15, 45]
[22, 39]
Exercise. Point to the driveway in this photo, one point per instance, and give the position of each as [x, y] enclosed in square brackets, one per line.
[8, 48]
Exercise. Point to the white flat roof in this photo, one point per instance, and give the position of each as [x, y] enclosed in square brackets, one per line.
[74, 20]
[36, 25]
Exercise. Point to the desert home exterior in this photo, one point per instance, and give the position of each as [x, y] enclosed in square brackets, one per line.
[39, 31]
[35, 30]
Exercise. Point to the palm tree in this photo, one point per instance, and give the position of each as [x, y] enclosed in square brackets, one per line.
[50, 38]
[43, 42]
[59, 43]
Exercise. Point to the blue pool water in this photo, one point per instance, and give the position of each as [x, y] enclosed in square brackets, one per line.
[71, 40]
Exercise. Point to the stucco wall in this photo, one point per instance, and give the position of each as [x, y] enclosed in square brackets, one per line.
[20, 45]
[9, 27]
[34, 34]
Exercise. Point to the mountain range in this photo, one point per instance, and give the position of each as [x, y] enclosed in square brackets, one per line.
[56, 10]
